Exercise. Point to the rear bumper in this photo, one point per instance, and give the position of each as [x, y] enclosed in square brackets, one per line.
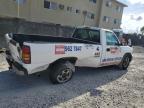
[18, 68]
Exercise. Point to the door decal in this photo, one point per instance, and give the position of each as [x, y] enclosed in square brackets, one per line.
[97, 54]
[113, 50]
[112, 59]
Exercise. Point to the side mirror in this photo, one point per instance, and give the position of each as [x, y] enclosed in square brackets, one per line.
[118, 44]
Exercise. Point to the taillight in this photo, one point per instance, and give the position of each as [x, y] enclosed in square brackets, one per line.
[26, 54]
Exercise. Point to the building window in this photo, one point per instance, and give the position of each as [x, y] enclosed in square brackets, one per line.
[46, 4]
[106, 19]
[53, 5]
[117, 21]
[69, 9]
[50, 5]
[90, 15]
[108, 3]
[93, 1]
[77, 11]
[119, 9]
[61, 6]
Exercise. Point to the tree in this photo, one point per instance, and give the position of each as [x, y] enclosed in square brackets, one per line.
[142, 30]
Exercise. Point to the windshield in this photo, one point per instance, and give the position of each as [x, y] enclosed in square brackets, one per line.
[118, 34]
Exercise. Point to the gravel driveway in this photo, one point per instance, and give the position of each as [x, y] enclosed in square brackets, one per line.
[101, 88]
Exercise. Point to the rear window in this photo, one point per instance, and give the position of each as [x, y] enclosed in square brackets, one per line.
[87, 34]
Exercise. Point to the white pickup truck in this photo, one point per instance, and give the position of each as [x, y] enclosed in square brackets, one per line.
[88, 47]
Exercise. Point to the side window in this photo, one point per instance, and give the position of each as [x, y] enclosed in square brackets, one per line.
[94, 36]
[81, 34]
[111, 39]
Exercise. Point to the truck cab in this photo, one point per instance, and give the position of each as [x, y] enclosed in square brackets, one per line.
[107, 49]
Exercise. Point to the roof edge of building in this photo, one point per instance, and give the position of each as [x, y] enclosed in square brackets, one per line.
[124, 5]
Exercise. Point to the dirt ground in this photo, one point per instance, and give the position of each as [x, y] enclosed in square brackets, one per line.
[90, 88]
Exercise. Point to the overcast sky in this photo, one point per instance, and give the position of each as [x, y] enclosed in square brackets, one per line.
[133, 16]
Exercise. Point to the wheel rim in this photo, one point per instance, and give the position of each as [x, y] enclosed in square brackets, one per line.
[64, 76]
[126, 62]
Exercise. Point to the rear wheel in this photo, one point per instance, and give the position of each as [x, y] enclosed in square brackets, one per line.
[125, 62]
[62, 72]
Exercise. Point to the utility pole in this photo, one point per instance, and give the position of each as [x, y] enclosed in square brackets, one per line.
[18, 8]
[84, 15]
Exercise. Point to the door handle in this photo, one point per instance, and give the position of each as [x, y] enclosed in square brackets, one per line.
[108, 49]
[116, 48]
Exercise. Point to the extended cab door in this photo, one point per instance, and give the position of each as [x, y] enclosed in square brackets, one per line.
[91, 56]
[112, 49]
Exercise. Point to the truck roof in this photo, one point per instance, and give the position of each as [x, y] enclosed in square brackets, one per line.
[118, 30]
[88, 27]
[93, 28]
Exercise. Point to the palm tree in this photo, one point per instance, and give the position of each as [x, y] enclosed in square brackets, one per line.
[142, 30]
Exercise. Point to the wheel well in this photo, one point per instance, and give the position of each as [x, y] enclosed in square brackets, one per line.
[129, 55]
[70, 59]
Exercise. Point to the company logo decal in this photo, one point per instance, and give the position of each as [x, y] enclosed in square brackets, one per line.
[114, 50]
[61, 49]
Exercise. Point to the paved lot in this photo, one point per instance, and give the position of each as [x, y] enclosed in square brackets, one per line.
[89, 88]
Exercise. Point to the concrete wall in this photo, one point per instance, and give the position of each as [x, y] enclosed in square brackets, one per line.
[21, 26]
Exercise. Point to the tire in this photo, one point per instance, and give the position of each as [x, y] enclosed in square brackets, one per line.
[125, 62]
[62, 72]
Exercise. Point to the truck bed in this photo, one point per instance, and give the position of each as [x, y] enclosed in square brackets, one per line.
[20, 38]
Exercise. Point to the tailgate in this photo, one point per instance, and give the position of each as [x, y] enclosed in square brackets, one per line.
[14, 48]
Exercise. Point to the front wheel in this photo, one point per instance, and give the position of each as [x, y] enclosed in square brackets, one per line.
[62, 72]
[125, 62]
